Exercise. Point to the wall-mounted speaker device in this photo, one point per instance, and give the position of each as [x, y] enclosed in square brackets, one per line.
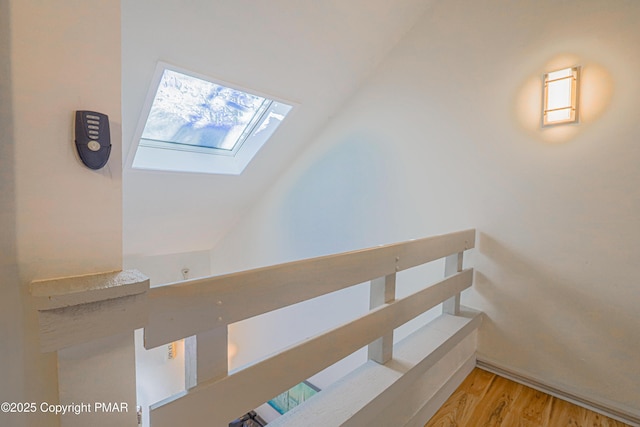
[93, 139]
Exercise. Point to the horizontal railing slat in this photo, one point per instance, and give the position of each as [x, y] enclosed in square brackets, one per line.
[186, 308]
[250, 387]
[420, 251]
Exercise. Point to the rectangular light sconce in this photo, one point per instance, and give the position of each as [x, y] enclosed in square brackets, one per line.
[560, 97]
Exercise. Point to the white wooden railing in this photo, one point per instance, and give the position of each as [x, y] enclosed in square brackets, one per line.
[200, 310]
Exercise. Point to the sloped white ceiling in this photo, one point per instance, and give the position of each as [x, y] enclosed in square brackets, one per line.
[315, 53]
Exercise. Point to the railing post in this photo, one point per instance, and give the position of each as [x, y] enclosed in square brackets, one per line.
[90, 321]
[383, 290]
[452, 265]
[205, 357]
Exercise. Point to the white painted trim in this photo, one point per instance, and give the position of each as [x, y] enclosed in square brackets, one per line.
[186, 308]
[79, 309]
[206, 357]
[68, 291]
[192, 161]
[404, 400]
[70, 326]
[609, 409]
[382, 291]
[440, 397]
[78, 312]
[276, 374]
[374, 394]
[452, 265]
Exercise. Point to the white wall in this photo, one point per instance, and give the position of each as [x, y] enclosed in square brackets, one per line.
[64, 219]
[312, 53]
[163, 269]
[11, 366]
[445, 136]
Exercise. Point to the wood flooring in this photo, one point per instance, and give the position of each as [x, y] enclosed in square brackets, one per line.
[488, 400]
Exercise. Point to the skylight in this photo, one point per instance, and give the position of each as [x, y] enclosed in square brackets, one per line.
[194, 124]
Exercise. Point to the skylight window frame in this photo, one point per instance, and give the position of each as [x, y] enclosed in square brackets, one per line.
[255, 121]
[184, 158]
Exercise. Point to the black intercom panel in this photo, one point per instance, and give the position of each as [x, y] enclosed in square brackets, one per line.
[93, 138]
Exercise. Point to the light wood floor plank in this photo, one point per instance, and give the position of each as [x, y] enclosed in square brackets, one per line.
[459, 407]
[496, 404]
[565, 414]
[532, 408]
[487, 400]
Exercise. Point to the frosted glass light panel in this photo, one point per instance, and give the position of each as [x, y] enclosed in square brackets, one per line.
[560, 97]
[197, 125]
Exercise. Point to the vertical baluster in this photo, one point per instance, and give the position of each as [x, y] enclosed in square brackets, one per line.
[452, 265]
[205, 357]
[383, 290]
[90, 321]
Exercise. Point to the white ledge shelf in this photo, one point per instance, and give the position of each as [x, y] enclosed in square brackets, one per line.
[77, 310]
[69, 291]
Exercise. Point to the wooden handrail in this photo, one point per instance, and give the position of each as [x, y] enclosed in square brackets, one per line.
[83, 316]
[290, 366]
[203, 306]
[186, 308]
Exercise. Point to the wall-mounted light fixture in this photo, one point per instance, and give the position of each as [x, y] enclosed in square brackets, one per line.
[560, 97]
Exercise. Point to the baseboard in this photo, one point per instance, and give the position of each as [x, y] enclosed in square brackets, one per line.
[607, 409]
